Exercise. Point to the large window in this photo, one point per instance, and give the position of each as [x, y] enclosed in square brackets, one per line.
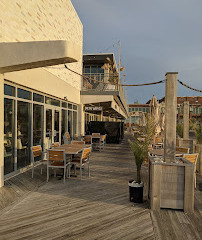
[37, 125]
[70, 122]
[56, 126]
[23, 134]
[48, 138]
[32, 118]
[74, 122]
[9, 135]
[64, 122]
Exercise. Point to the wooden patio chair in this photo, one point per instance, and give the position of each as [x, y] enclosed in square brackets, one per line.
[37, 158]
[102, 142]
[158, 142]
[82, 160]
[87, 139]
[55, 144]
[182, 149]
[66, 138]
[96, 135]
[193, 159]
[76, 137]
[56, 159]
[78, 142]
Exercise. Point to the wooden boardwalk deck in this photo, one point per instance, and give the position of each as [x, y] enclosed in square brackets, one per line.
[94, 208]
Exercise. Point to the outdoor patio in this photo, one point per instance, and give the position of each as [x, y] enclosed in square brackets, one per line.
[93, 208]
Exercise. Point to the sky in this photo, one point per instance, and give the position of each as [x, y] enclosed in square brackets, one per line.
[156, 36]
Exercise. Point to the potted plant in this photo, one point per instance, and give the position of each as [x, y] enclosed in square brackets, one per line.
[139, 147]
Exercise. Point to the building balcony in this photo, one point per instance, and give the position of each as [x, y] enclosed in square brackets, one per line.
[103, 84]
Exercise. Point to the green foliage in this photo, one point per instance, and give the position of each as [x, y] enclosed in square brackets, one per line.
[179, 129]
[140, 148]
[198, 132]
[194, 125]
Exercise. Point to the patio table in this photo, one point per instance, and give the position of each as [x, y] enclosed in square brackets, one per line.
[72, 149]
[160, 152]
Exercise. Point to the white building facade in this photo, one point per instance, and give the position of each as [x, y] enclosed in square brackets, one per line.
[40, 99]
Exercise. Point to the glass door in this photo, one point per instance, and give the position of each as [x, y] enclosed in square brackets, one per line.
[56, 126]
[49, 129]
[37, 125]
[52, 126]
[9, 136]
[23, 134]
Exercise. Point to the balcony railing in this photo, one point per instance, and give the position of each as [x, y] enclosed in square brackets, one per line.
[100, 82]
[103, 82]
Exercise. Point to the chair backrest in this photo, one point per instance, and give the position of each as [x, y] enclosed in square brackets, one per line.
[36, 151]
[95, 134]
[67, 135]
[76, 136]
[55, 144]
[103, 138]
[158, 140]
[56, 155]
[78, 142]
[182, 149]
[191, 157]
[86, 153]
[87, 139]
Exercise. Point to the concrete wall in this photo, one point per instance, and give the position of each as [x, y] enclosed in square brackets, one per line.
[42, 20]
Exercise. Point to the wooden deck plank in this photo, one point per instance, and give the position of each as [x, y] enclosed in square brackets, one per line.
[94, 208]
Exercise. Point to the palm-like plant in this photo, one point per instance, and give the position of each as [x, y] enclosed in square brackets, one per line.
[140, 148]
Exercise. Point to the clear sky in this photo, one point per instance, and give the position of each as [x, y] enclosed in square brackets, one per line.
[157, 36]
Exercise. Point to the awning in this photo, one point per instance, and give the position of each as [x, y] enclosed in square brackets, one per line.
[108, 104]
[16, 56]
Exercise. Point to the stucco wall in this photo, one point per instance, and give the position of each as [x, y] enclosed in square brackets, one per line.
[42, 20]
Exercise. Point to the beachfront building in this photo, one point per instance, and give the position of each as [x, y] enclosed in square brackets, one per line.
[136, 111]
[195, 107]
[39, 99]
[102, 96]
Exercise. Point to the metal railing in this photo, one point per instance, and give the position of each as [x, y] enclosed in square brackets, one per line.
[100, 82]
[103, 82]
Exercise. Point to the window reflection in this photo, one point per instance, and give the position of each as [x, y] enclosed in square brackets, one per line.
[9, 90]
[23, 134]
[24, 94]
[37, 125]
[48, 139]
[64, 123]
[74, 122]
[56, 129]
[8, 136]
[70, 122]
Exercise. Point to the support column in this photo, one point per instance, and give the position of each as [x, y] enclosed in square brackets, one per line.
[186, 121]
[170, 116]
[1, 130]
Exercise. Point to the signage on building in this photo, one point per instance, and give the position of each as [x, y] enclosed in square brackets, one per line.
[93, 108]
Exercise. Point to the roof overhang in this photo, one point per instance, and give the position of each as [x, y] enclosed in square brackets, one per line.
[110, 106]
[17, 56]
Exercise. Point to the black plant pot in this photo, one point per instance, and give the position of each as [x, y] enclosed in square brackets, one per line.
[136, 191]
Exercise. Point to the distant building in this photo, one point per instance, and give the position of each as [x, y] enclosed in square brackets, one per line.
[195, 104]
[102, 96]
[135, 111]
